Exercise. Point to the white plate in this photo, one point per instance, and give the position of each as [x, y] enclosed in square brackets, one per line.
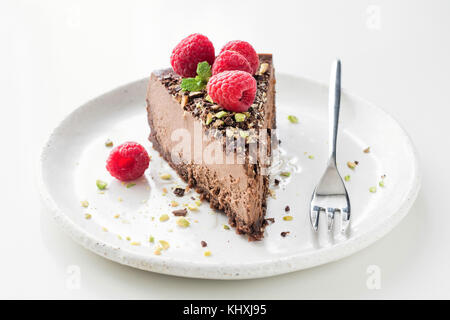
[74, 158]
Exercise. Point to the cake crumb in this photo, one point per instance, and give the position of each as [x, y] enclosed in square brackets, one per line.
[287, 209]
[180, 212]
[285, 233]
[179, 192]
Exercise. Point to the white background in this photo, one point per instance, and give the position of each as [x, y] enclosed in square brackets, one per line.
[55, 55]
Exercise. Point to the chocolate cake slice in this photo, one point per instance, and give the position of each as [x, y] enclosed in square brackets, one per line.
[222, 155]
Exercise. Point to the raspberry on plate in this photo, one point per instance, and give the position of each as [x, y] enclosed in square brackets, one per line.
[234, 90]
[230, 60]
[189, 52]
[127, 161]
[245, 49]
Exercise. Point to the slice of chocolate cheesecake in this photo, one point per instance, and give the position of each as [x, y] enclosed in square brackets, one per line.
[223, 155]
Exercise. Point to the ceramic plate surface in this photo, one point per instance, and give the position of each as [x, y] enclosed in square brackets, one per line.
[123, 219]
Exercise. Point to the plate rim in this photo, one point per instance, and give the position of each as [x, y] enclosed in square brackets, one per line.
[231, 271]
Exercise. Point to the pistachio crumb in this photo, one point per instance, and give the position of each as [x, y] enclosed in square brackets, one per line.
[105, 229]
[165, 176]
[157, 251]
[198, 203]
[128, 238]
[373, 189]
[220, 114]
[347, 178]
[311, 157]
[116, 216]
[108, 143]
[209, 99]
[174, 203]
[293, 119]
[120, 199]
[129, 185]
[84, 204]
[239, 117]
[101, 185]
[226, 227]
[182, 222]
[87, 216]
[351, 164]
[135, 243]
[367, 150]
[164, 217]
[285, 174]
[164, 244]
[288, 218]
[192, 207]
[151, 239]
[381, 183]
[209, 118]
[207, 253]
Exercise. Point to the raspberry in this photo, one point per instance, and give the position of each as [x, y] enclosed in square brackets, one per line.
[127, 161]
[246, 50]
[234, 90]
[189, 52]
[230, 60]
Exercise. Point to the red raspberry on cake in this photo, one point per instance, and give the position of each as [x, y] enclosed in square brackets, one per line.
[233, 90]
[230, 60]
[245, 49]
[189, 52]
[127, 161]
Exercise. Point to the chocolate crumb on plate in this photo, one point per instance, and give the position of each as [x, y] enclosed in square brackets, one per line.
[180, 212]
[203, 243]
[270, 220]
[285, 233]
[277, 182]
[179, 192]
[287, 209]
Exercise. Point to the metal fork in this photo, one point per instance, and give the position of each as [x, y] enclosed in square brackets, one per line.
[330, 194]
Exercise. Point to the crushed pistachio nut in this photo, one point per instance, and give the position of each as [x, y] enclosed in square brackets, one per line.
[87, 216]
[119, 237]
[209, 118]
[135, 243]
[293, 119]
[209, 99]
[373, 189]
[263, 68]
[164, 244]
[84, 204]
[272, 193]
[116, 216]
[351, 164]
[288, 218]
[157, 251]
[311, 157]
[239, 117]
[104, 229]
[151, 239]
[120, 199]
[198, 203]
[367, 150]
[226, 227]
[192, 207]
[128, 238]
[101, 185]
[129, 185]
[381, 183]
[174, 203]
[220, 114]
[166, 176]
[347, 178]
[164, 217]
[108, 143]
[244, 134]
[207, 253]
[182, 222]
[285, 174]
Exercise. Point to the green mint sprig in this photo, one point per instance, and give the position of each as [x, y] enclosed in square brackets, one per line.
[199, 82]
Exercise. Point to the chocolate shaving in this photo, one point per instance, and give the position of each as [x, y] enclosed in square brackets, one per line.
[180, 212]
[179, 192]
[285, 233]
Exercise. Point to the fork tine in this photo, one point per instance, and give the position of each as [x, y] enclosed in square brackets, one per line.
[330, 218]
[345, 219]
[314, 217]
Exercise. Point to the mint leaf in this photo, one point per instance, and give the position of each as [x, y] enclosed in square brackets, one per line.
[192, 84]
[204, 71]
[199, 82]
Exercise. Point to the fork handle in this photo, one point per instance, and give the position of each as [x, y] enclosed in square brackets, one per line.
[334, 100]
